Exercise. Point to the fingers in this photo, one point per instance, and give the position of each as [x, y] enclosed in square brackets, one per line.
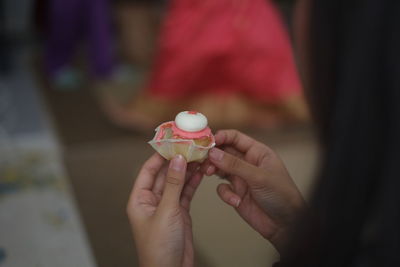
[235, 166]
[234, 138]
[191, 169]
[149, 172]
[209, 169]
[226, 193]
[190, 189]
[158, 187]
[231, 150]
[252, 150]
[174, 182]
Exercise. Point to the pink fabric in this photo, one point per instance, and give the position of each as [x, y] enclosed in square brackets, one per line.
[224, 46]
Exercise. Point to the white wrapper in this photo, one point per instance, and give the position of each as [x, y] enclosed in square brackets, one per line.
[168, 148]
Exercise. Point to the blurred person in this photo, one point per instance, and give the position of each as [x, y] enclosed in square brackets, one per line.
[6, 46]
[231, 60]
[352, 77]
[137, 22]
[68, 24]
[4, 59]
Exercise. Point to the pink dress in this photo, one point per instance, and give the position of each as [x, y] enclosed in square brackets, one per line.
[224, 47]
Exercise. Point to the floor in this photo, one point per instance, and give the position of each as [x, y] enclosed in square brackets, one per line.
[102, 161]
[40, 224]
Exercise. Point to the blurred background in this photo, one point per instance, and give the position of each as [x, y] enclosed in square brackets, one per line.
[83, 84]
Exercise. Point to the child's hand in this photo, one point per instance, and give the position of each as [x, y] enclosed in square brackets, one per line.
[260, 187]
[158, 210]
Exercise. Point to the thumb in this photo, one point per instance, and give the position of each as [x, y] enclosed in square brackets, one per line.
[175, 180]
[232, 165]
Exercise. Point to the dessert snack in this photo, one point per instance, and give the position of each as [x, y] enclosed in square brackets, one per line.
[188, 135]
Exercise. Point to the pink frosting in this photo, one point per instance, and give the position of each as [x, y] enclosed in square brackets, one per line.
[181, 133]
[190, 135]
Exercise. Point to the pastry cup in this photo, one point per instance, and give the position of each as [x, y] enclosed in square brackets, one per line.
[168, 147]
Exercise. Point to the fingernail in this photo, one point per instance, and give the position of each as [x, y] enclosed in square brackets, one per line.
[210, 170]
[177, 163]
[216, 154]
[234, 201]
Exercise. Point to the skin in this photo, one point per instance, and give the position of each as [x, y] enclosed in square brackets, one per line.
[259, 188]
[158, 210]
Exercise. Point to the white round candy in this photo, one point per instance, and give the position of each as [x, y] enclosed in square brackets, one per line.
[191, 121]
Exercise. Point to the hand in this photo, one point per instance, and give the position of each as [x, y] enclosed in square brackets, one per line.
[260, 188]
[158, 210]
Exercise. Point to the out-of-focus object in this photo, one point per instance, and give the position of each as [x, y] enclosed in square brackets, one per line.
[137, 24]
[69, 23]
[225, 48]
[40, 224]
[188, 136]
[15, 29]
[230, 60]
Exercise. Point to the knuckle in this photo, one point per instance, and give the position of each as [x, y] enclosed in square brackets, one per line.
[219, 132]
[233, 131]
[186, 196]
[267, 150]
[233, 163]
[173, 181]
[151, 170]
[234, 135]
[222, 190]
[185, 202]
[225, 192]
[263, 153]
[227, 133]
[224, 131]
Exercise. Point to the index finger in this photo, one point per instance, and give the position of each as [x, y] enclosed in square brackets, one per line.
[235, 166]
[148, 172]
[234, 138]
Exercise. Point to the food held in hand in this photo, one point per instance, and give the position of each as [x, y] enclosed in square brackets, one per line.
[188, 136]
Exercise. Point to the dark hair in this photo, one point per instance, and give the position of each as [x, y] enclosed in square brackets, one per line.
[355, 96]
